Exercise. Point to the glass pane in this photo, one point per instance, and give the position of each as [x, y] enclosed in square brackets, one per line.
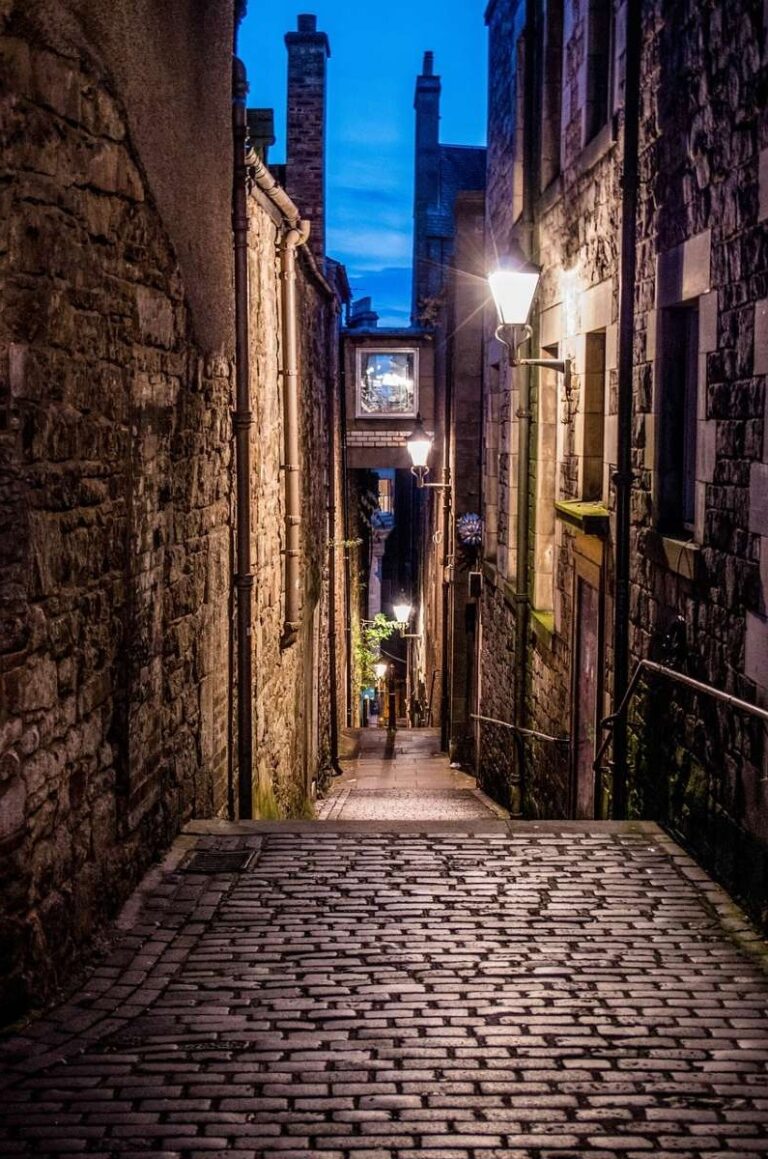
[387, 385]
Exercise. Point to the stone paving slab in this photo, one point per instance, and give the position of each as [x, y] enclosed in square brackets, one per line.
[535, 992]
[360, 804]
[403, 776]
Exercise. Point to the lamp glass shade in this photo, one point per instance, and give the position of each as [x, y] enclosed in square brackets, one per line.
[380, 669]
[513, 292]
[402, 612]
[419, 444]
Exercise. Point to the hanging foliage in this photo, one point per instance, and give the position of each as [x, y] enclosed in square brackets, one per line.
[367, 646]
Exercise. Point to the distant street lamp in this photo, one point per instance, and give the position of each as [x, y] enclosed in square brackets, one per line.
[513, 286]
[419, 445]
[402, 610]
[380, 669]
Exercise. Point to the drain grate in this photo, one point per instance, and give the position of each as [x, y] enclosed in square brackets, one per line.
[220, 861]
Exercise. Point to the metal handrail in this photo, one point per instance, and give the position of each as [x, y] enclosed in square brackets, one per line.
[517, 779]
[522, 731]
[681, 678]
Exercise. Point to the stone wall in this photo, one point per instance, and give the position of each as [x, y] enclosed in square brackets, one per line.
[467, 295]
[293, 680]
[703, 205]
[114, 473]
[703, 210]
[575, 242]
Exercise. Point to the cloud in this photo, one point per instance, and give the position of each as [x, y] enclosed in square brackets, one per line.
[370, 247]
[390, 289]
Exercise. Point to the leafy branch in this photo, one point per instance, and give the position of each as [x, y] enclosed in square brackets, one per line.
[367, 644]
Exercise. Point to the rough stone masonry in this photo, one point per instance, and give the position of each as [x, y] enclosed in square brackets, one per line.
[115, 364]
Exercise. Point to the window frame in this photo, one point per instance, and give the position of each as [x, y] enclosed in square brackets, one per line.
[678, 382]
[387, 416]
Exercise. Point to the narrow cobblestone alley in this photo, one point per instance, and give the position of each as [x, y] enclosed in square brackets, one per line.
[403, 774]
[458, 988]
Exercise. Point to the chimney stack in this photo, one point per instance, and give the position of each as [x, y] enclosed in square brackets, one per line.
[308, 51]
[427, 178]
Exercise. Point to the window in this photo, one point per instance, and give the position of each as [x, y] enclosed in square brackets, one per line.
[518, 127]
[491, 422]
[544, 478]
[387, 383]
[593, 407]
[677, 419]
[599, 73]
[386, 495]
[552, 94]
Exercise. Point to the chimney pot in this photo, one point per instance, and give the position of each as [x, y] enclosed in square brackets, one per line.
[307, 23]
[429, 64]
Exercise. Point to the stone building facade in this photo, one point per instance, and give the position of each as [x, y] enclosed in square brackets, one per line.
[697, 532]
[116, 471]
[447, 298]
[298, 684]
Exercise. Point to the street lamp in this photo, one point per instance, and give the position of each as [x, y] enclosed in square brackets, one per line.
[419, 444]
[380, 669]
[402, 610]
[513, 286]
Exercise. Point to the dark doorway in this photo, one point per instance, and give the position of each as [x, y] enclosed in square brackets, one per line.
[586, 692]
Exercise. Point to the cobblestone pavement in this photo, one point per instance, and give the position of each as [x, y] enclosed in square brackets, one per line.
[460, 991]
[403, 776]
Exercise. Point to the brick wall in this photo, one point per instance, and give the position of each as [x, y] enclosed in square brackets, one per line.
[308, 51]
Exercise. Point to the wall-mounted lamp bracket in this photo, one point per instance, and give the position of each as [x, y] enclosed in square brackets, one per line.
[559, 365]
[420, 474]
[515, 336]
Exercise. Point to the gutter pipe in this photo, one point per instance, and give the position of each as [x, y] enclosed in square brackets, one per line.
[293, 237]
[623, 476]
[242, 421]
[333, 500]
[523, 415]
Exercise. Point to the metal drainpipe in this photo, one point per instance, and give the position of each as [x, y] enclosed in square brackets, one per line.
[446, 706]
[623, 475]
[347, 536]
[333, 435]
[523, 415]
[243, 421]
[293, 238]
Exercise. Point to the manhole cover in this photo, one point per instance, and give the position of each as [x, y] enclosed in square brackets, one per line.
[220, 861]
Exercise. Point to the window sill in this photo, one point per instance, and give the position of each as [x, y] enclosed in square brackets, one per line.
[551, 195]
[596, 149]
[680, 556]
[587, 517]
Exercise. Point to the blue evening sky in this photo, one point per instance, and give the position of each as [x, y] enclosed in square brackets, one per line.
[376, 55]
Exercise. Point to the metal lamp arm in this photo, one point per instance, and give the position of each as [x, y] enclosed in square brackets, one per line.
[515, 336]
[559, 365]
[420, 474]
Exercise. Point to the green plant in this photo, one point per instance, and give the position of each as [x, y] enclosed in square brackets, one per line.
[367, 641]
